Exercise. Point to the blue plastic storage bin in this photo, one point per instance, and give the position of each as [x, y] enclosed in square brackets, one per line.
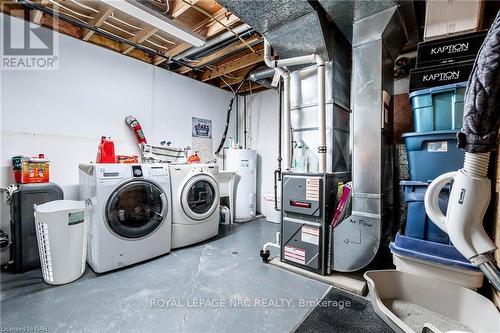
[439, 253]
[430, 154]
[439, 108]
[418, 224]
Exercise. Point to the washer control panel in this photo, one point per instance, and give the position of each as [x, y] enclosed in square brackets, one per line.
[156, 171]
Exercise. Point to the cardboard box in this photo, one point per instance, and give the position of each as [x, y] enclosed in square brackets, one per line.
[452, 17]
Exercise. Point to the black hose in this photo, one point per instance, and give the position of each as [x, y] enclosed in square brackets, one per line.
[230, 107]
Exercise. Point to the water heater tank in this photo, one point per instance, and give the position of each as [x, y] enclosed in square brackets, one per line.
[244, 162]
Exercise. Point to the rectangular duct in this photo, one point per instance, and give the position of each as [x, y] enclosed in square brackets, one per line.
[377, 40]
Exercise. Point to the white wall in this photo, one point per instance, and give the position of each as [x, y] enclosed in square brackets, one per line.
[63, 113]
[262, 122]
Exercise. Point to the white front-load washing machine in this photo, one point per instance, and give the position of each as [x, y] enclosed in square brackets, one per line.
[131, 213]
[195, 203]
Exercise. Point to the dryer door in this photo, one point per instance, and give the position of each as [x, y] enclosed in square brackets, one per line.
[136, 208]
[200, 197]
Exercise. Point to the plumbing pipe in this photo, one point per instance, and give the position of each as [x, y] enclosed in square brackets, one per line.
[276, 245]
[212, 42]
[265, 253]
[216, 47]
[35, 6]
[308, 59]
[287, 147]
[277, 172]
[260, 74]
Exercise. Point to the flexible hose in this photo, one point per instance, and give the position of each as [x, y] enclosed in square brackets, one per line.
[476, 165]
[230, 108]
[490, 270]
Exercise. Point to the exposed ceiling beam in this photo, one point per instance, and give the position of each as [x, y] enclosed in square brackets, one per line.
[231, 66]
[218, 26]
[235, 78]
[98, 20]
[207, 27]
[251, 87]
[37, 18]
[180, 7]
[140, 37]
[233, 48]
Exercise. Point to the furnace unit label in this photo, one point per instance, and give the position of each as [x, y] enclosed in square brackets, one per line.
[312, 189]
[295, 254]
[310, 235]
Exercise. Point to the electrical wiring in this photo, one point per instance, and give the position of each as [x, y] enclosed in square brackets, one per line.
[230, 107]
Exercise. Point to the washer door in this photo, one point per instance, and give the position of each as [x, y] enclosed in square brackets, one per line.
[200, 197]
[136, 208]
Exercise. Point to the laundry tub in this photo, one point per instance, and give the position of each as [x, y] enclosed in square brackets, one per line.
[434, 260]
[272, 215]
[409, 303]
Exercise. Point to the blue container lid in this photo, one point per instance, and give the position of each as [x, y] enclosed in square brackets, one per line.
[425, 250]
[444, 133]
[415, 140]
[414, 183]
[435, 90]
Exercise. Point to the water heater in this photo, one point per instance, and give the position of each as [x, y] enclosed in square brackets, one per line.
[244, 162]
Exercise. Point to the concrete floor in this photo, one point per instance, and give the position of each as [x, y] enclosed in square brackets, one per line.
[160, 295]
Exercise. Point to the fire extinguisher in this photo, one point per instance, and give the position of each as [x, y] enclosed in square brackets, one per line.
[136, 127]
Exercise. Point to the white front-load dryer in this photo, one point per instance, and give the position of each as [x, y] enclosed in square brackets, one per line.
[195, 203]
[130, 215]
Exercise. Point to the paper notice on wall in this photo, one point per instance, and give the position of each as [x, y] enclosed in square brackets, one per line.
[312, 189]
[204, 147]
[201, 139]
[310, 235]
[295, 254]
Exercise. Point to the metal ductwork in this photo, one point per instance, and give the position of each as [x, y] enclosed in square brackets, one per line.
[293, 28]
[344, 13]
[376, 41]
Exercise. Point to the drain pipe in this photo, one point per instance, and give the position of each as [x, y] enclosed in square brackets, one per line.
[265, 253]
[278, 64]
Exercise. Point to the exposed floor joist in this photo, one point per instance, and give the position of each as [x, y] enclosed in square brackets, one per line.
[231, 49]
[98, 23]
[104, 13]
[206, 28]
[139, 38]
[226, 68]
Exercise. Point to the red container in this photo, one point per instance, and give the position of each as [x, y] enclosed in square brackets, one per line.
[106, 151]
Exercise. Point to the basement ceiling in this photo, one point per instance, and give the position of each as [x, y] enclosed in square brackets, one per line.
[224, 65]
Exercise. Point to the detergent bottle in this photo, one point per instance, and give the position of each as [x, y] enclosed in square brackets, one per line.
[106, 151]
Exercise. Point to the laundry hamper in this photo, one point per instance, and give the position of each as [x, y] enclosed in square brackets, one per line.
[61, 229]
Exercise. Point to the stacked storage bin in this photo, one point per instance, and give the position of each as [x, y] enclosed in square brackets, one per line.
[437, 88]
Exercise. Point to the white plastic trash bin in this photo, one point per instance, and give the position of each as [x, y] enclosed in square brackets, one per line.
[272, 215]
[61, 229]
